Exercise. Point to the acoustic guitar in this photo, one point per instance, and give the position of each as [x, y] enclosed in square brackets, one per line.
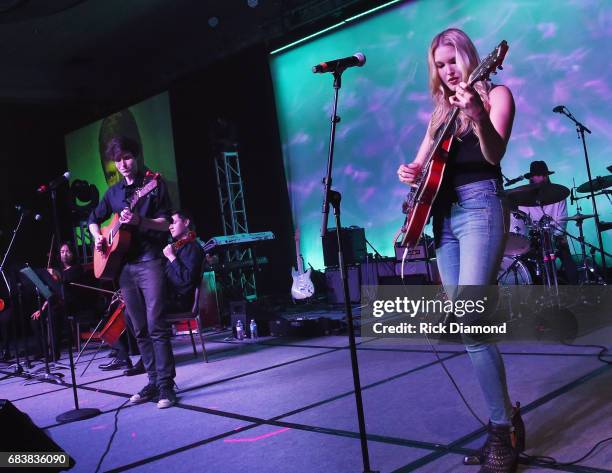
[117, 236]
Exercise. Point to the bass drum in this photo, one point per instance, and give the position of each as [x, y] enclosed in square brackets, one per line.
[514, 272]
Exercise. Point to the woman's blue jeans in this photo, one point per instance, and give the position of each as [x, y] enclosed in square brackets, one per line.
[470, 239]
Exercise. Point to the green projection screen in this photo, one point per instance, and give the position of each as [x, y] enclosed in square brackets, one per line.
[559, 54]
[148, 122]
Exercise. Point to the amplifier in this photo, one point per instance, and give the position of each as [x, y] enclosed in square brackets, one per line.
[335, 290]
[416, 253]
[412, 268]
[353, 243]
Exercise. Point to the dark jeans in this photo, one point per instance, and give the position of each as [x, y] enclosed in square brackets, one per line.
[126, 344]
[143, 289]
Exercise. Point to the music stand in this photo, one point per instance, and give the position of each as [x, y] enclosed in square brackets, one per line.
[46, 290]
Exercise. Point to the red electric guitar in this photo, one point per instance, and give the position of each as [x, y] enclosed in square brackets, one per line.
[107, 263]
[423, 192]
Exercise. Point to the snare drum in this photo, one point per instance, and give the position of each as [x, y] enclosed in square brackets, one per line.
[518, 238]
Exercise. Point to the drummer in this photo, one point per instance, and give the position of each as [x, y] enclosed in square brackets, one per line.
[557, 212]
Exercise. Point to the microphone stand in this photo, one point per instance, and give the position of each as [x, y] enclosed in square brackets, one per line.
[333, 198]
[76, 413]
[580, 129]
[18, 369]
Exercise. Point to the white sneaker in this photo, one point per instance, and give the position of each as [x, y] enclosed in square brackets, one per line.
[167, 398]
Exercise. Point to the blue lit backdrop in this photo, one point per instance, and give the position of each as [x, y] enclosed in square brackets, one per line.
[558, 55]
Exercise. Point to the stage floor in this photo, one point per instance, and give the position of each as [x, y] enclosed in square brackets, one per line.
[287, 405]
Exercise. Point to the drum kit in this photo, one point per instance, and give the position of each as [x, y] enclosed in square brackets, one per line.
[530, 253]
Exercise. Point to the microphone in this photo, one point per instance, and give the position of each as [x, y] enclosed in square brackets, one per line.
[509, 182]
[25, 212]
[572, 196]
[559, 109]
[54, 184]
[338, 65]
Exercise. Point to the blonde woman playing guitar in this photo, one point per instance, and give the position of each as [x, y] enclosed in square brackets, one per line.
[461, 152]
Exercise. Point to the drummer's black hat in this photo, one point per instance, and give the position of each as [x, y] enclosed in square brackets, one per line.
[538, 168]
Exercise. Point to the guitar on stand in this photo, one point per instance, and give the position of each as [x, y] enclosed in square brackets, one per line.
[107, 263]
[302, 287]
[419, 201]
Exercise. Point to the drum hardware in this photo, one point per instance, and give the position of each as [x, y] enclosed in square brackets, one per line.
[578, 218]
[599, 183]
[517, 242]
[537, 195]
[548, 252]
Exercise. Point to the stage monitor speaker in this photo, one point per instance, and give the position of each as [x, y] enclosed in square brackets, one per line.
[353, 242]
[335, 292]
[20, 434]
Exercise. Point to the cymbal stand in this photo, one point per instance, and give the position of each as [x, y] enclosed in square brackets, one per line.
[548, 252]
[583, 246]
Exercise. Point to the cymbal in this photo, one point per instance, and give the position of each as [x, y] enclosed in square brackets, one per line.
[599, 183]
[576, 218]
[534, 195]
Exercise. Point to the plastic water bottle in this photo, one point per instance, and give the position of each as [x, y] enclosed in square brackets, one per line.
[253, 327]
[239, 330]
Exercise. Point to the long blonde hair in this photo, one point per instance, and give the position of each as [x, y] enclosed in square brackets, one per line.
[467, 60]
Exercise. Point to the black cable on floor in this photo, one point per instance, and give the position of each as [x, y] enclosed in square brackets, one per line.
[600, 355]
[550, 461]
[467, 404]
[112, 437]
[543, 459]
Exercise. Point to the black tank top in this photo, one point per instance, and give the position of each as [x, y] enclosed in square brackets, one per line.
[467, 164]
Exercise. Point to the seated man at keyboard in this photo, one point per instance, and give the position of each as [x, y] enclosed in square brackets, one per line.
[183, 267]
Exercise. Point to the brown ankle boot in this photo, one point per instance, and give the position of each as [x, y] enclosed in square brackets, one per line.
[517, 439]
[499, 454]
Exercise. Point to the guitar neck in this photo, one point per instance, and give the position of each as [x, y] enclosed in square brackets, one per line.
[300, 262]
[442, 136]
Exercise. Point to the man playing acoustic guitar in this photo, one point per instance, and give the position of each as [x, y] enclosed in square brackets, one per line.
[141, 277]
